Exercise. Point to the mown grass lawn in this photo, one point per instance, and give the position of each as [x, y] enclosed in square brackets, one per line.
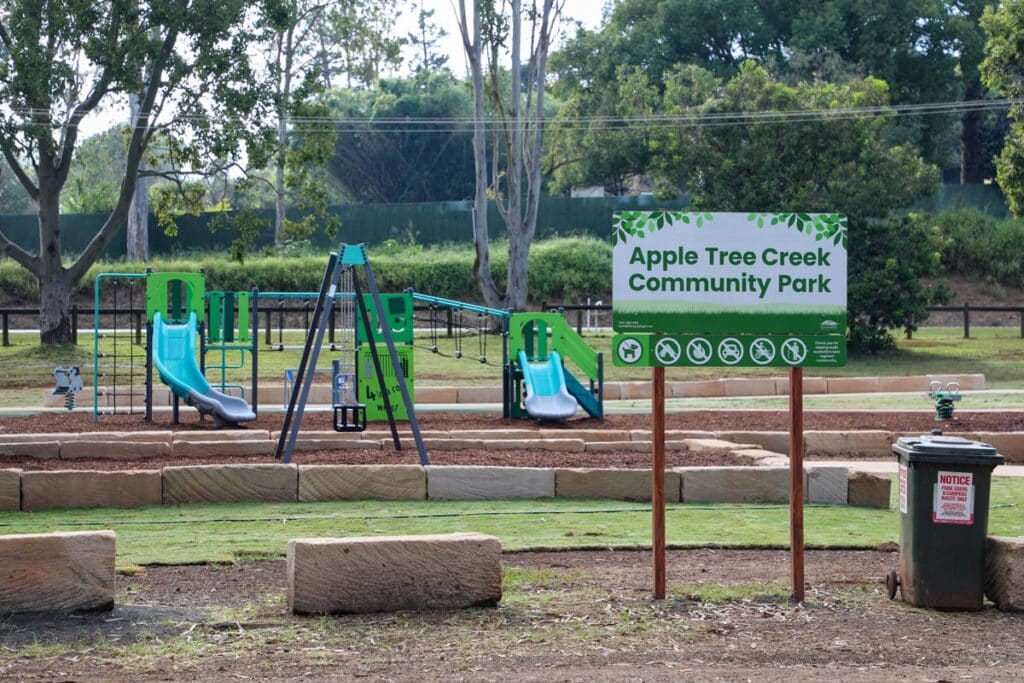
[231, 532]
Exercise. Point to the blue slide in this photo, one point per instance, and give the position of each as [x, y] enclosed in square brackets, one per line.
[174, 357]
[546, 395]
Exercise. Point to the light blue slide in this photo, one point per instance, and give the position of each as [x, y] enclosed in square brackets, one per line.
[174, 357]
[546, 395]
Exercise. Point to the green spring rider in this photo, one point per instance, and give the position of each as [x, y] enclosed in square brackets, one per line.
[944, 399]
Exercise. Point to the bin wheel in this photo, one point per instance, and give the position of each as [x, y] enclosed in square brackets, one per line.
[892, 583]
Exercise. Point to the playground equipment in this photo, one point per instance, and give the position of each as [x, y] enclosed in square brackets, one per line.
[535, 381]
[944, 399]
[68, 384]
[539, 342]
[176, 310]
[341, 284]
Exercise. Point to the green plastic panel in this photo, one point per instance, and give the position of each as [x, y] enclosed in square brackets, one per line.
[370, 393]
[398, 311]
[173, 308]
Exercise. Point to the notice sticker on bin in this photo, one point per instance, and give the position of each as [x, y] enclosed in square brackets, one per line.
[903, 488]
[953, 501]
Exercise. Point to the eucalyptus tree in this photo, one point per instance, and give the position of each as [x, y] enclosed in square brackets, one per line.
[1003, 72]
[64, 60]
[507, 149]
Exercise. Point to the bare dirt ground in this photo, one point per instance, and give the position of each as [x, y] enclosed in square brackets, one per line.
[564, 616]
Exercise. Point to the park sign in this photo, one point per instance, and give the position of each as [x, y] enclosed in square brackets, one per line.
[729, 289]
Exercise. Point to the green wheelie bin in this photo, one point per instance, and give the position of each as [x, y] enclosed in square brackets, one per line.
[944, 484]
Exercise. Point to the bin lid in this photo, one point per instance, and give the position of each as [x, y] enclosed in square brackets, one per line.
[946, 449]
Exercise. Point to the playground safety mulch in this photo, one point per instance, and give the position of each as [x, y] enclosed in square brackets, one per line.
[695, 420]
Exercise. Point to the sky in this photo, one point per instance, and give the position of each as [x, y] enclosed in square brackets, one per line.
[587, 12]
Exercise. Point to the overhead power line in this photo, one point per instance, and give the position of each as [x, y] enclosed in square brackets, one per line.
[689, 119]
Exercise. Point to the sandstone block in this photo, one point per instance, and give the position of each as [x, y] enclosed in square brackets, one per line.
[478, 395]
[634, 390]
[748, 386]
[757, 456]
[588, 435]
[702, 445]
[230, 483]
[708, 388]
[864, 443]
[38, 438]
[62, 572]
[869, 490]
[199, 449]
[556, 445]
[612, 392]
[618, 447]
[1009, 444]
[489, 434]
[10, 489]
[852, 385]
[43, 450]
[335, 445]
[735, 484]
[612, 484]
[390, 573]
[772, 441]
[826, 484]
[223, 435]
[1004, 572]
[680, 434]
[436, 394]
[489, 483]
[360, 482]
[143, 436]
[114, 450]
[82, 488]
[909, 384]
[812, 385]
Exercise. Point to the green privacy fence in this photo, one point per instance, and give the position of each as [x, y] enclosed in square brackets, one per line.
[428, 223]
[431, 223]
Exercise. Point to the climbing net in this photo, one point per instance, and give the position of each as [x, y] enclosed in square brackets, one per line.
[451, 322]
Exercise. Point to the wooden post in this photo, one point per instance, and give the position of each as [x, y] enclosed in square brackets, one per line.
[796, 479]
[658, 482]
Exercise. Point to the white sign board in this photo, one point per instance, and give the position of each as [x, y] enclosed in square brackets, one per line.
[953, 500]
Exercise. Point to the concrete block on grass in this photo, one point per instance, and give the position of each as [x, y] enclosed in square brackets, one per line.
[869, 490]
[1004, 572]
[63, 572]
[230, 484]
[359, 482]
[391, 573]
[826, 484]
[83, 488]
[735, 484]
[10, 489]
[489, 483]
[613, 484]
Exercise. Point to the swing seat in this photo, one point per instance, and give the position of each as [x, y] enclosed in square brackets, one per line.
[350, 418]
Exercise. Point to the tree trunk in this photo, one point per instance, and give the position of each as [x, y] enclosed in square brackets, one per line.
[54, 290]
[972, 162]
[137, 245]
